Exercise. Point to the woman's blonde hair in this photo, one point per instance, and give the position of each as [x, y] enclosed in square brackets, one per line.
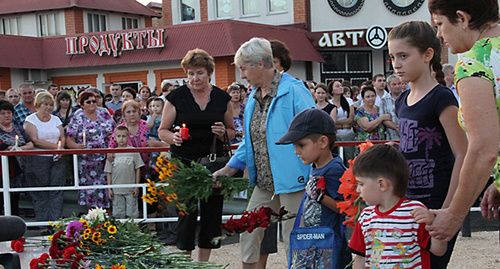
[198, 58]
[130, 103]
[43, 97]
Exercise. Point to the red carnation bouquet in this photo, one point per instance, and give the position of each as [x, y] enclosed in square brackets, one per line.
[249, 221]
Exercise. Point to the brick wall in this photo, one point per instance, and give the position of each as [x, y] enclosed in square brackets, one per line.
[203, 10]
[444, 54]
[166, 12]
[125, 76]
[148, 21]
[300, 11]
[73, 21]
[5, 82]
[75, 80]
[167, 74]
[225, 73]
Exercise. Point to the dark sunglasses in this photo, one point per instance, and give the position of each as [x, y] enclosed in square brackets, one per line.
[90, 102]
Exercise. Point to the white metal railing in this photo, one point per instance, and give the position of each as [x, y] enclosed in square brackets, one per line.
[7, 190]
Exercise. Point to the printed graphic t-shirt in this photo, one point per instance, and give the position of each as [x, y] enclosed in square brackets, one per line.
[425, 145]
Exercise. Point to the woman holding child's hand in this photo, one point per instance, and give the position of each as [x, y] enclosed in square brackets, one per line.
[471, 27]
[205, 110]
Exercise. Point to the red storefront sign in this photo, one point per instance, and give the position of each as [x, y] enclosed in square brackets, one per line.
[116, 42]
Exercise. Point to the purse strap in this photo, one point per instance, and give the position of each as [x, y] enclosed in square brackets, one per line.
[226, 148]
[299, 212]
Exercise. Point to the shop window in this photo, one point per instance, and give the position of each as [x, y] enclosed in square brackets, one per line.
[250, 7]
[96, 22]
[188, 12]
[129, 23]
[388, 68]
[224, 8]
[337, 62]
[278, 5]
[48, 25]
[9, 26]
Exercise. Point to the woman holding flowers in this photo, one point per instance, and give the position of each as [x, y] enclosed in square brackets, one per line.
[46, 132]
[206, 111]
[91, 128]
[471, 27]
[278, 175]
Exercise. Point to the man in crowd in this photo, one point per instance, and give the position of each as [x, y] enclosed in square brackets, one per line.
[26, 106]
[52, 89]
[117, 102]
[379, 85]
[13, 96]
[449, 77]
[388, 104]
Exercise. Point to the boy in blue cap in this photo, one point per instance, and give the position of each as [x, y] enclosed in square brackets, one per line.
[313, 134]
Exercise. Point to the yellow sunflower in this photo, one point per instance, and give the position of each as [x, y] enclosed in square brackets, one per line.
[112, 229]
[96, 236]
[98, 266]
[106, 224]
[85, 223]
[87, 231]
[85, 236]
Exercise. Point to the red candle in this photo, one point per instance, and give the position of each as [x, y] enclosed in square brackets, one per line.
[184, 132]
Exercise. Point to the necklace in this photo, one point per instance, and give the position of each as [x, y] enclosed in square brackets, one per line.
[7, 129]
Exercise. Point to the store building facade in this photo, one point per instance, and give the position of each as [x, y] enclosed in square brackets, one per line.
[96, 43]
[352, 36]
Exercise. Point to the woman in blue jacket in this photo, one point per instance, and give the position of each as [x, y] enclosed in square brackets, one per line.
[278, 175]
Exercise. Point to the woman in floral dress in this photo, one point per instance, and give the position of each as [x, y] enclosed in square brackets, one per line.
[91, 128]
[368, 119]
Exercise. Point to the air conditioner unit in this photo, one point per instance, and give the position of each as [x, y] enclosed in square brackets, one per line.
[35, 75]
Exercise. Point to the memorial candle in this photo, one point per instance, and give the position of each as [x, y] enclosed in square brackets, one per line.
[184, 132]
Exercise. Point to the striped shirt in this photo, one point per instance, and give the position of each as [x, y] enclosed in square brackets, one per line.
[391, 239]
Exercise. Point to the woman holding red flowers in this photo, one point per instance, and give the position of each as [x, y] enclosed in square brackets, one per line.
[276, 99]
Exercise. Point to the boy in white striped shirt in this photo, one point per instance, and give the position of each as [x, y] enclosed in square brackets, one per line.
[390, 232]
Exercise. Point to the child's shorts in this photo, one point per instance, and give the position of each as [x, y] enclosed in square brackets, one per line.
[125, 205]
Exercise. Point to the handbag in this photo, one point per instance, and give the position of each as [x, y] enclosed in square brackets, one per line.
[314, 247]
[212, 161]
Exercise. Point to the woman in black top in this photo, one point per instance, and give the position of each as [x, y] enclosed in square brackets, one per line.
[64, 109]
[206, 111]
[322, 102]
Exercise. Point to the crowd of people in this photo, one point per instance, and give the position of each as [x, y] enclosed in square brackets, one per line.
[284, 127]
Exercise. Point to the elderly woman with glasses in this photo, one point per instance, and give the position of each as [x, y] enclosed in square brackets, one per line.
[276, 99]
[91, 128]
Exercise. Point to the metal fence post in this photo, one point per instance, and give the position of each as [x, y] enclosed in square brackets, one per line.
[6, 185]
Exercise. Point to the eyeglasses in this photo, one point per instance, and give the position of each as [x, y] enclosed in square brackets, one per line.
[90, 102]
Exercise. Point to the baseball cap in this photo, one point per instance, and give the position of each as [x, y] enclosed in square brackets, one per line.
[309, 121]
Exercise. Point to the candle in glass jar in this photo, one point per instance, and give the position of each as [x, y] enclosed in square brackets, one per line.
[59, 144]
[17, 141]
[84, 140]
[184, 132]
